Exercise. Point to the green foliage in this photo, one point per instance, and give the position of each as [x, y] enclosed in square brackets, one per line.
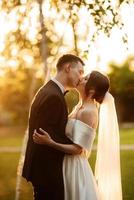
[16, 93]
[122, 87]
[72, 98]
[21, 60]
[103, 14]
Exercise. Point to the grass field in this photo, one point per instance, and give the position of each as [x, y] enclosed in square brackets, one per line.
[8, 164]
[12, 136]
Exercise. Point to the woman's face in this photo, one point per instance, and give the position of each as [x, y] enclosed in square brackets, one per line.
[82, 83]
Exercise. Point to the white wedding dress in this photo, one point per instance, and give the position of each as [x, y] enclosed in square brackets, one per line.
[79, 181]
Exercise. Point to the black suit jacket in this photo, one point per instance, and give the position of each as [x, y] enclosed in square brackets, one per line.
[43, 165]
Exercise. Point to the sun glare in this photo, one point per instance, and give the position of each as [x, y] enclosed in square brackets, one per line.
[101, 52]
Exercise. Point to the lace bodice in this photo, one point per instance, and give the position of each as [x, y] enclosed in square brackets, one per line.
[80, 133]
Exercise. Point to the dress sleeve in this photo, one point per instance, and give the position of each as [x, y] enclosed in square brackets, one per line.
[83, 135]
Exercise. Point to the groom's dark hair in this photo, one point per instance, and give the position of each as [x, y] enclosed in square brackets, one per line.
[68, 58]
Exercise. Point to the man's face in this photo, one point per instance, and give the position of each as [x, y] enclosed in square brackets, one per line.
[75, 74]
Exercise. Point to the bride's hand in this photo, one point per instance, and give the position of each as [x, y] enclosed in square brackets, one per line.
[42, 139]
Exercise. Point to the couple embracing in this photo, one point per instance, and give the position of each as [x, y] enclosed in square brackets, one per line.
[58, 147]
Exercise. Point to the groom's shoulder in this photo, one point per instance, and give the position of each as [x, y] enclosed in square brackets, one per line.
[50, 87]
[46, 88]
[47, 91]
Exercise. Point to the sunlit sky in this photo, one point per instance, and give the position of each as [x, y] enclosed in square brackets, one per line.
[113, 49]
[101, 52]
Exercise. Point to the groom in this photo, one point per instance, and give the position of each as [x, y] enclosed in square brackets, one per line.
[43, 165]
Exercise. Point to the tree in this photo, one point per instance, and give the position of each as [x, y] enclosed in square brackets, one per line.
[37, 33]
[15, 94]
[122, 87]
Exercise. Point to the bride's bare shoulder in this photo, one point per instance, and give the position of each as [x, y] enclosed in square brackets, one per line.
[89, 115]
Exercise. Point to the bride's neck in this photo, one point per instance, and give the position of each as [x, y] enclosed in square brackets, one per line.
[85, 100]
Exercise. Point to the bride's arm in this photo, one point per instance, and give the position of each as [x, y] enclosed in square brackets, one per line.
[47, 140]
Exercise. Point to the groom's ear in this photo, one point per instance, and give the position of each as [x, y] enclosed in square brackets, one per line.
[67, 67]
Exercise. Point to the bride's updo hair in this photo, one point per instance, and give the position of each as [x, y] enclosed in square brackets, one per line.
[99, 83]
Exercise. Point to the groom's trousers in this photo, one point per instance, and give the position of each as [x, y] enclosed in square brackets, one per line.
[40, 193]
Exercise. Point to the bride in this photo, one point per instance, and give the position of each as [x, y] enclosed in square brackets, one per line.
[79, 181]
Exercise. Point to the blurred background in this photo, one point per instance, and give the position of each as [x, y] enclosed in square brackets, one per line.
[33, 35]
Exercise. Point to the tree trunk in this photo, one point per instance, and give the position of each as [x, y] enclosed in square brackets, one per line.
[43, 45]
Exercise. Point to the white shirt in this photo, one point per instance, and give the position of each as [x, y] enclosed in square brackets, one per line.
[59, 84]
